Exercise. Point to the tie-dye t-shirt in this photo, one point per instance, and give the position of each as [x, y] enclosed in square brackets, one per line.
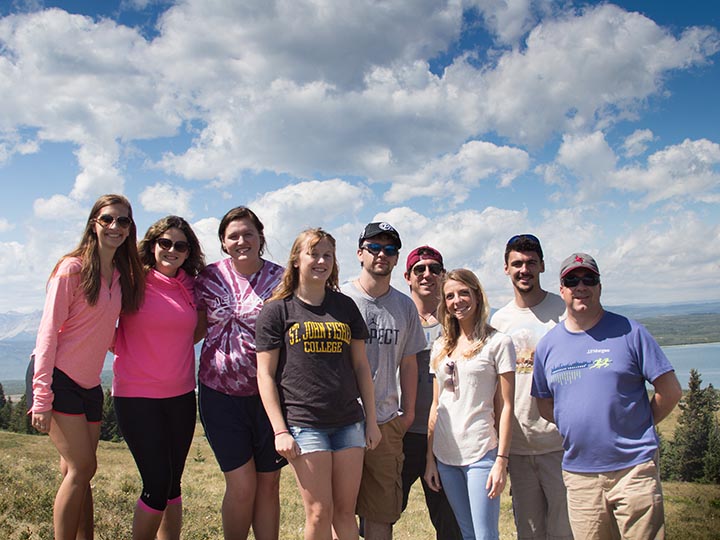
[232, 302]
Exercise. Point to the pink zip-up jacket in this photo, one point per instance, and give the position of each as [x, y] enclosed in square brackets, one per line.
[73, 336]
[154, 354]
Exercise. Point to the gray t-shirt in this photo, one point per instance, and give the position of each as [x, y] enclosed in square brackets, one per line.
[426, 380]
[395, 332]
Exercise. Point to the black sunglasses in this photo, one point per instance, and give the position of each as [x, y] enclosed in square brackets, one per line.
[517, 237]
[374, 248]
[574, 281]
[180, 246]
[105, 220]
[435, 268]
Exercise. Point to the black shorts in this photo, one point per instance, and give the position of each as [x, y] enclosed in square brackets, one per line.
[238, 429]
[71, 398]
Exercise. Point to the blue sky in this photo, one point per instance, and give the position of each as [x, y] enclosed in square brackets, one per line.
[593, 125]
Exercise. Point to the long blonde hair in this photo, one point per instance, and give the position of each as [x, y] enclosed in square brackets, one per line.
[126, 259]
[307, 239]
[451, 327]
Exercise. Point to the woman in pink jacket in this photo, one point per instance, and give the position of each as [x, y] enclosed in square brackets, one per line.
[85, 294]
[154, 375]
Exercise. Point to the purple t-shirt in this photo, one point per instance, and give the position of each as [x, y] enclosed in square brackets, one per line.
[232, 302]
[597, 381]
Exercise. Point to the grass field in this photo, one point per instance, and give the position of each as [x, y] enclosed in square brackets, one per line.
[29, 478]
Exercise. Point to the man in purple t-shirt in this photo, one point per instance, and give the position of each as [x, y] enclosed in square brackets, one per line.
[589, 378]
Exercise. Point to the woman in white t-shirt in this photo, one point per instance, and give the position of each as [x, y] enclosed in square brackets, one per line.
[465, 451]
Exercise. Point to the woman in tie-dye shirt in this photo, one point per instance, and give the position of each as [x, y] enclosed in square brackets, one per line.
[230, 295]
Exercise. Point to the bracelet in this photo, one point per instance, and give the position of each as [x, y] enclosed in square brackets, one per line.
[281, 432]
[505, 457]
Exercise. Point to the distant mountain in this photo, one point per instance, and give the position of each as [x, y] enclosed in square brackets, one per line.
[14, 358]
[16, 326]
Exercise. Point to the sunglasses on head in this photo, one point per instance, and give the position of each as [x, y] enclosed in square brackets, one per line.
[166, 244]
[574, 281]
[374, 248]
[435, 268]
[105, 220]
[517, 237]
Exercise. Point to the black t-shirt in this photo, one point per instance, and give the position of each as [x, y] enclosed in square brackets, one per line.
[315, 378]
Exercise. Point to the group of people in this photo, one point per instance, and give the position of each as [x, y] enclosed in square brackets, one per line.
[362, 389]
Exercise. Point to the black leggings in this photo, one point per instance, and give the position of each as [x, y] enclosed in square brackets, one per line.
[159, 433]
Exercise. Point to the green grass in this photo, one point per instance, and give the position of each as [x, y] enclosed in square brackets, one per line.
[29, 478]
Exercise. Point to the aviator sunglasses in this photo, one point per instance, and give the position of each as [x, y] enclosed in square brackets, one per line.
[105, 220]
[450, 381]
[574, 281]
[374, 248]
[435, 268]
[166, 244]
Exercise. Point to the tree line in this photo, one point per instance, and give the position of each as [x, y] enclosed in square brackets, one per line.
[692, 455]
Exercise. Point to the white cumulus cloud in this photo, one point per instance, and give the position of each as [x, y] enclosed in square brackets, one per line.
[637, 142]
[168, 199]
[686, 171]
[453, 176]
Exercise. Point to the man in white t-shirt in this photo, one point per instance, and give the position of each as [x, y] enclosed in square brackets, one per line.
[538, 492]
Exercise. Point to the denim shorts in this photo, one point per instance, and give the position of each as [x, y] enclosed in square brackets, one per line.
[311, 439]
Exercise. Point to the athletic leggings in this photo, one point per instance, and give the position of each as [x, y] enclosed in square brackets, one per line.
[159, 433]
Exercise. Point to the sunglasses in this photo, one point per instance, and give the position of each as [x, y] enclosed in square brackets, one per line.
[389, 250]
[517, 237]
[105, 220]
[574, 281]
[166, 244]
[450, 370]
[435, 268]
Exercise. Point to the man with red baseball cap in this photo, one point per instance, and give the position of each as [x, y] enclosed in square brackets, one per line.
[424, 272]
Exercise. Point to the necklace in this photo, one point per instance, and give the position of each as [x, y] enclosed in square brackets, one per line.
[364, 289]
[428, 317]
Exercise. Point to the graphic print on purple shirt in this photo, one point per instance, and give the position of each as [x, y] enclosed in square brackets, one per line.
[232, 302]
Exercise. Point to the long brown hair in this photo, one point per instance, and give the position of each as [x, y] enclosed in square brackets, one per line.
[307, 240]
[126, 259]
[451, 327]
[195, 261]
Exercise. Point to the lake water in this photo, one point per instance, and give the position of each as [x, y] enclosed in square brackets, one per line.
[705, 358]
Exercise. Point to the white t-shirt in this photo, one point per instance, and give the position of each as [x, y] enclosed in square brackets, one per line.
[465, 424]
[532, 434]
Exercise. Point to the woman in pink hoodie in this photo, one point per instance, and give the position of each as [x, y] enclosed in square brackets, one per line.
[154, 375]
[85, 294]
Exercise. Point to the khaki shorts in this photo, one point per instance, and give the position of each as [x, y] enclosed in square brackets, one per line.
[624, 504]
[538, 496]
[380, 497]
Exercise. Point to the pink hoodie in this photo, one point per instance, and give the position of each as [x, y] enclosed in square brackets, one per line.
[154, 354]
